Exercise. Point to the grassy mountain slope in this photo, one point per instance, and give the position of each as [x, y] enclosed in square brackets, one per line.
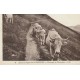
[14, 36]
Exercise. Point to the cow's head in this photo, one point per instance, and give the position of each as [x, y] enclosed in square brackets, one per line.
[57, 43]
[37, 27]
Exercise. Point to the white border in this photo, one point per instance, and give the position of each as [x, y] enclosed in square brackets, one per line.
[39, 72]
[40, 6]
[30, 62]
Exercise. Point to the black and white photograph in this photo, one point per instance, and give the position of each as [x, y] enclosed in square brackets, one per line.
[41, 37]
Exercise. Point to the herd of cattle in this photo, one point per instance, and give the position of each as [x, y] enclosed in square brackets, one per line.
[51, 38]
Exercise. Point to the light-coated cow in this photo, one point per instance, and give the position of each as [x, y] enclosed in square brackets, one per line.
[37, 29]
[54, 41]
[9, 18]
[42, 35]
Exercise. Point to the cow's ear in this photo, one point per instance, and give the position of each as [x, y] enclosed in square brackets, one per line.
[65, 41]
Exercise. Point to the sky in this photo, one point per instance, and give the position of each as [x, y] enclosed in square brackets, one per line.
[67, 19]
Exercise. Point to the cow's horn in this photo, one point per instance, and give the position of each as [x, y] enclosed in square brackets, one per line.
[66, 38]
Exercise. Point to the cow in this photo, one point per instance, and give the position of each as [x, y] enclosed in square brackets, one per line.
[55, 42]
[37, 29]
[9, 18]
[42, 35]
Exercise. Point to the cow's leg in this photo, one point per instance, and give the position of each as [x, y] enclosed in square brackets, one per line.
[44, 40]
[51, 50]
[9, 20]
[12, 20]
[41, 41]
[6, 20]
[37, 36]
[58, 57]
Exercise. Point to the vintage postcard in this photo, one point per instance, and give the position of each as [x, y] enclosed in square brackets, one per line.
[40, 39]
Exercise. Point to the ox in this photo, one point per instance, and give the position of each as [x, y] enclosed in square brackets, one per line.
[54, 41]
[42, 35]
[9, 18]
[37, 29]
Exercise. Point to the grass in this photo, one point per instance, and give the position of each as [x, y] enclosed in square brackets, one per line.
[14, 36]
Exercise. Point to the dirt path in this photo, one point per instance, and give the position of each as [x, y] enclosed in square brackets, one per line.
[32, 52]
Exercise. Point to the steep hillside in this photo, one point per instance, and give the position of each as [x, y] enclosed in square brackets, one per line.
[76, 28]
[14, 37]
